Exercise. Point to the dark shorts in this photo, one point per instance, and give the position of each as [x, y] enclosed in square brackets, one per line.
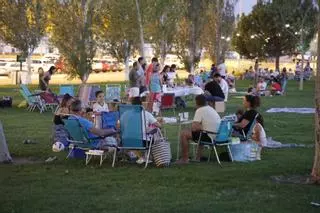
[204, 137]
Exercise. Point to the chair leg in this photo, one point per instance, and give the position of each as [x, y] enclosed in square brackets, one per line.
[88, 158]
[217, 156]
[114, 157]
[148, 155]
[230, 153]
[71, 150]
[210, 153]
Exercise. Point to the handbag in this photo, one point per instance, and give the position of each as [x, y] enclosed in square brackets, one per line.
[161, 151]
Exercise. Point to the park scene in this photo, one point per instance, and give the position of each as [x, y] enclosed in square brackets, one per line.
[159, 106]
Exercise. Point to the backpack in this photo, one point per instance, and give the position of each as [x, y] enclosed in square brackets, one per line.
[6, 102]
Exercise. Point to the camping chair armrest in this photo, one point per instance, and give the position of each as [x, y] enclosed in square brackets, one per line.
[208, 132]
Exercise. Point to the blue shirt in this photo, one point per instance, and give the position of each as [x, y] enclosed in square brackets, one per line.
[155, 83]
[86, 124]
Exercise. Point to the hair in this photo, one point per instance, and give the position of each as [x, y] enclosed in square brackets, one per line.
[213, 65]
[173, 66]
[140, 59]
[165, 68]
[51, 69]
[250, 90]
[240, 112]
[284, 69]
[254, 101]
[154, 59]
[135, 64]
[154, 67]
[136, 101]
[65, 99]
[216, 75]
[76, 106]
[201, 100]
[99, 92]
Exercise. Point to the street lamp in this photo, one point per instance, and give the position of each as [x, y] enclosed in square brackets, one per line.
[252, 36]
[228, 39]
[238, 34]
[287, 25]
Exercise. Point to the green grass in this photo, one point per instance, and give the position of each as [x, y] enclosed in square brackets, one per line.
[204, 187]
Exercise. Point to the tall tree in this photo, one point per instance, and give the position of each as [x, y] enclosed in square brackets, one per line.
[74, 26]
[22, 25]
[140, 24]
[121, 38]
[188, 43]
[161, 28]
[316, 163]
[264, 34]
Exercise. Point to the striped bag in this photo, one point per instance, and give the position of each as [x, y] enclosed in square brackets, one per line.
[161, 151]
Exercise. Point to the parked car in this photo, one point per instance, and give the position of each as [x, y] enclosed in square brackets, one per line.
[7, 67]
[41, 65]
[99, 65]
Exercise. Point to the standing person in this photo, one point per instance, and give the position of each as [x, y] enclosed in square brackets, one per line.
[206, 118]
[298, 70]
[150, 70]
[141, 67]
[155, 88]
[284, 79]
[164, 74]
[135, 81]
[223, 84]
[222, 69]
[45, 79]
[172, 74]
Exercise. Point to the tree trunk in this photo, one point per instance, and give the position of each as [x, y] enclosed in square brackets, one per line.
[278, 63]
[141, 29]
[316, 164]
[218, 32]
[302, 71]
[126, 60]
[29, 74]
[163, 52]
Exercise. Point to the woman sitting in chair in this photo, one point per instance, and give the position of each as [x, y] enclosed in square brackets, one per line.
[59, 132]
[250, 103]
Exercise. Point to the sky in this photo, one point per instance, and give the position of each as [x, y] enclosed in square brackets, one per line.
[244, 6]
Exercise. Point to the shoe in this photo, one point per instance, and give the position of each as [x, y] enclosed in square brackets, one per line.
[142, 160]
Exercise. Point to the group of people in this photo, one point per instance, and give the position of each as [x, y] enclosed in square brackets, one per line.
[207, 119]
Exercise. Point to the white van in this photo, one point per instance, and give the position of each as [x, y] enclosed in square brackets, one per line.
[41, 65]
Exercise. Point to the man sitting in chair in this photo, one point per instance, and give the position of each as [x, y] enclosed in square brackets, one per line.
[93, 132]
[205, 118]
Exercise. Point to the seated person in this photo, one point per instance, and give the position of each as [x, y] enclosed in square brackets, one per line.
[205, 118]
[250, 103]
[98, 107]
[93, 132]
[223, 84]
[148, 121]
[190, 80]
[275, 87]
[213, 91]
[261, 87]
[59, 132]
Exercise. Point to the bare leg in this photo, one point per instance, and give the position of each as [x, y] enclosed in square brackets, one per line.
[199, 152]
[185, 136]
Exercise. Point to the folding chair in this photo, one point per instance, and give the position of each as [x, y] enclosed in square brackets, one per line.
[109, 119]
[113, 92]
[33, 102]
[49, 100]
[80, 139]
[223, 138]
[248, 136]
[133, 130]
[168, 102]
[66, 89]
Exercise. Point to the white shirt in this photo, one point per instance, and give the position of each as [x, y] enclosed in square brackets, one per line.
[262, 86]
[222, 69]
[225, 88]
[98, 108]
[209, 119]
[147, 120]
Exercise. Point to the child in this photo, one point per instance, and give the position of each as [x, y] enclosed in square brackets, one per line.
[98, 107]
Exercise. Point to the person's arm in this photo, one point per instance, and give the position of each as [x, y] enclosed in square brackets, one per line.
[43, 81]
[102, 132]
[242, 124]
[196, 126]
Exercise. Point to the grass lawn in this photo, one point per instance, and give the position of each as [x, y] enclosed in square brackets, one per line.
[70, 186]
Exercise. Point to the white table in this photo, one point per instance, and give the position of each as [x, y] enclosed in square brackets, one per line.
[184, 91]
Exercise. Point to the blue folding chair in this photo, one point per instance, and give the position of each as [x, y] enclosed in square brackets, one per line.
[109, 119]
[133, 130]
[223, 138]
[66, 89]
[113, 92]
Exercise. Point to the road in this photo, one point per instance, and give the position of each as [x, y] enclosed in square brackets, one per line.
[93, 78]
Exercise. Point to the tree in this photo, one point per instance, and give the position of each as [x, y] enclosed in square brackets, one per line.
[22, 25]
[262, 33]
[298, 17]
[316, 163]
[188, 42]
[121, 37]
[141, 34]
[161, 28]
[74, 25]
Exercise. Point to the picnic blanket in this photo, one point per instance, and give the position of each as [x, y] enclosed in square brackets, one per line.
[292, 110]
[276, 145]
